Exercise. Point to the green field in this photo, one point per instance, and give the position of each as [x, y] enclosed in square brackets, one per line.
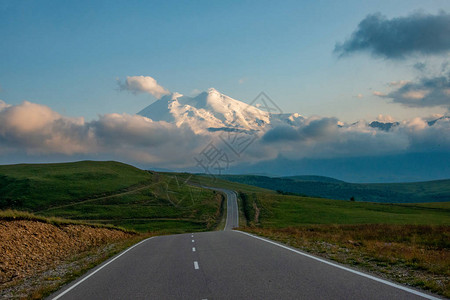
[110, 193]
[324, 187]
[287, 210]
[278, 210]
[122, 195]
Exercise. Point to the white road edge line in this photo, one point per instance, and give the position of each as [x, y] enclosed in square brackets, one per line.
[101, 267]
[237, 209]
[193, 249]
[344, 268]
[196, 265]
[228, 207]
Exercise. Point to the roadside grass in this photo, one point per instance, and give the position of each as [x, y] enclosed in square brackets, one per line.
[13, 215]
[407, 243]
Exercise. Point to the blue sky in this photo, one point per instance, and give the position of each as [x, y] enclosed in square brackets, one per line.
[64, 66]
[67, 55]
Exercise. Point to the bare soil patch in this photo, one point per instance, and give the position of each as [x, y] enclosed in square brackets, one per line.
[29, 249]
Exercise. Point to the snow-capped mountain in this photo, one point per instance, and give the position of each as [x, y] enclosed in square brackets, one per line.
[212, 111]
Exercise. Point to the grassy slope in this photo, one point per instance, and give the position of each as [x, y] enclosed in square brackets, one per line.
[39, 186]
[431, 191]
[283, 211]
[109, 193]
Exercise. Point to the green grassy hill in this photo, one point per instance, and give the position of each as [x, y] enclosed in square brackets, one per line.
[40, 186]
[430, 191]
[109, 193]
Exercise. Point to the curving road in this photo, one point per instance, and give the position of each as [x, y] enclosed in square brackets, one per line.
[232, 220]
[226, 265]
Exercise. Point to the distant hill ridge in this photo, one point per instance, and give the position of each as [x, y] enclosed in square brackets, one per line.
[326, 187]
[313, 178]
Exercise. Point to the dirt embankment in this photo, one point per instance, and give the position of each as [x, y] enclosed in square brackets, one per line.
[30, 247]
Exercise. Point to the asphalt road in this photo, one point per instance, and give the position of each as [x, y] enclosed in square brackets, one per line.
[225, 265]
[232, 209]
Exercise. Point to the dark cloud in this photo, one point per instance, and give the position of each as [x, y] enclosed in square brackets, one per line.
[426, 92]
[313, 129]
[281, 133]
[399, 37]
[420, 66]
[444, 66]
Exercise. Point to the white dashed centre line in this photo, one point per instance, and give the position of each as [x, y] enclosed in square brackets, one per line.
[193, 249]
[192, 240]
[196, 265]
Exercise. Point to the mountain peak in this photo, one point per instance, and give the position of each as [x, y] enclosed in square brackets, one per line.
[212, 90]
[208, 111]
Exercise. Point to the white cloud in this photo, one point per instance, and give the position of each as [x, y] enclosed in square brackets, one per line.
[195, 92]
[3, 105]
[36, 129]
[415, 95]
[143, 84]
[398, 83]
[325, 139]
[33, 129]
[385, 118]
[379, 94]
[434, 117]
